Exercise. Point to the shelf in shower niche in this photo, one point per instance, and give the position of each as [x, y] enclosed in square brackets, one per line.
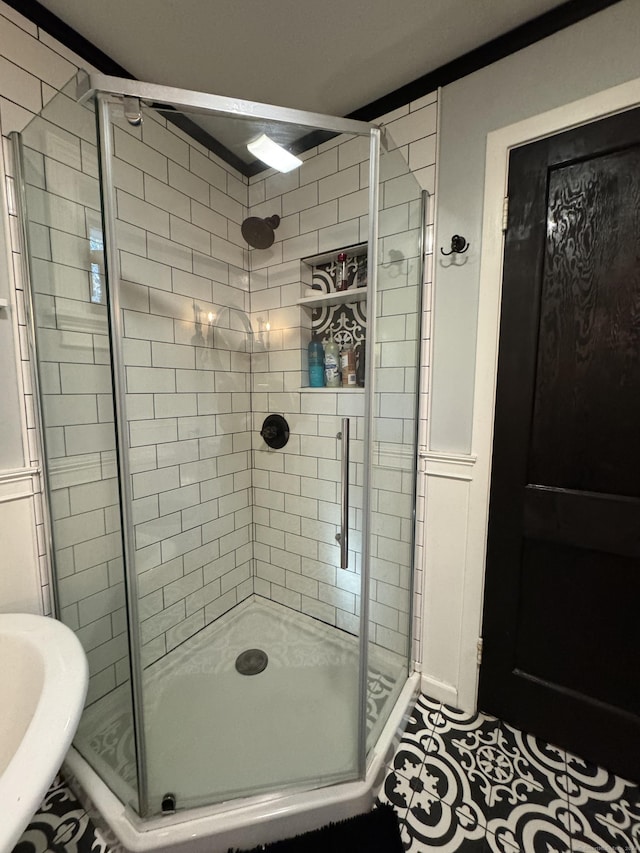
[353, 251]
[338, 297]
[356, 390]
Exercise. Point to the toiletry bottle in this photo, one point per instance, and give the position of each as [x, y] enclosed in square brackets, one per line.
[348, 362]
[332, 372]
[342, 276]
[361, 365]
[316, 364]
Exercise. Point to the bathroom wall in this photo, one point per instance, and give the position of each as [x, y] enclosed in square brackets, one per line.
[20, 585]
[297, 489]
[65, 231]
[547, 74]
[187, 403]
[323, 206]
[33, 67]
[187, 344]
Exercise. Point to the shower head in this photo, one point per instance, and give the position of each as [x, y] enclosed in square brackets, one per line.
[259, 232]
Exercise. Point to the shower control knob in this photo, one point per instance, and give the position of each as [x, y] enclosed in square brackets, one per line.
[275, 431]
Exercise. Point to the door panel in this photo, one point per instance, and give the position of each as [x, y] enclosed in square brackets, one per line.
[561, 634]
[584, 433]
[567, 620]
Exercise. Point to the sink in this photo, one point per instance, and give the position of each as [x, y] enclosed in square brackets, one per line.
[43, 684]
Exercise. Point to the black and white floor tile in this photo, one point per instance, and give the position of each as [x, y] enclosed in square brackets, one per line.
[61, 825]
[457, 782]
[474, 783]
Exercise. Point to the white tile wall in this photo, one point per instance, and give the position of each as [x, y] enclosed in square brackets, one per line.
[80, 442]
[163, 390]
[296, 489]
[186, 306]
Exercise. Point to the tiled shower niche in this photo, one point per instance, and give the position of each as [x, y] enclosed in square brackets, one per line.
[344, 313]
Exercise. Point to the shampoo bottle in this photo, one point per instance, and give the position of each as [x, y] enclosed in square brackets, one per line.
[316, 364]
[332, 372]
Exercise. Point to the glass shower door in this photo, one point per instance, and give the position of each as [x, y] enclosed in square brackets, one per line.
[232, 542]
[394, 419]
[57, 181]
[183, 344]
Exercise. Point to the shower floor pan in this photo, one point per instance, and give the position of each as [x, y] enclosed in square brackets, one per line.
[214, 735]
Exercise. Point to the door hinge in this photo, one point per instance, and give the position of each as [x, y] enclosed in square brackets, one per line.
[505, 213]
[479, 651]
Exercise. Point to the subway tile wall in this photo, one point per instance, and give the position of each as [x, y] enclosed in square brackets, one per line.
[186, 347]
[323, 206]
[33, 68]
[65, 235]
[186, 344]
[414, 128]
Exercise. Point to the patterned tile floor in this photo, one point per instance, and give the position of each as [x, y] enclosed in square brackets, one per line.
[62, 825]
[474, 783]
[457, 782]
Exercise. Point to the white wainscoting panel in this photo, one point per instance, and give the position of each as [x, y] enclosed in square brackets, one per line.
[449, 479]
[19, 575]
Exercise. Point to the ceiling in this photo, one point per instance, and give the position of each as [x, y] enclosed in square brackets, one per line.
[330, 56]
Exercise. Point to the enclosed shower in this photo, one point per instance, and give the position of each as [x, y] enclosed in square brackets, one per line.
[245, 609]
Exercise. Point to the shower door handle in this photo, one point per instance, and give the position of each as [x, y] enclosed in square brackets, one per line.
[343, 536]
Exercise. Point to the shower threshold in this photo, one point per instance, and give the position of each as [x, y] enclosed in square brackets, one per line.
[198, 709]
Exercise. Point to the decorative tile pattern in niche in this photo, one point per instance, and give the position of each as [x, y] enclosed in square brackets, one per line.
[348, 321]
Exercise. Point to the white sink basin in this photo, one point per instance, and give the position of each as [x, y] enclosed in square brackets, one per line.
[43, 684]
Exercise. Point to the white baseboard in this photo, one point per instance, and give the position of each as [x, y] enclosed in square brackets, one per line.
[439, 690]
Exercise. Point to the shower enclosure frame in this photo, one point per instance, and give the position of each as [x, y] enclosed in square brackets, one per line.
[105, 89]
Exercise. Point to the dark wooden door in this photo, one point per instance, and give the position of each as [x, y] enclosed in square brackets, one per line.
[561, 656]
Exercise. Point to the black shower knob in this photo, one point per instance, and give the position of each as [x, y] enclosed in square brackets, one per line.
[275, 431]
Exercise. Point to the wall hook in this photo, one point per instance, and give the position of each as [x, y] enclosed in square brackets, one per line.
[458, 245]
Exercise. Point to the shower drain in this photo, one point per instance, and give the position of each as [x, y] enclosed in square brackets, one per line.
[251, 662]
